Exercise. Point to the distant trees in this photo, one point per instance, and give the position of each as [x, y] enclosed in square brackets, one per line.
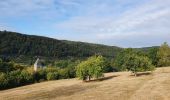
[163, 55]
[134, 61]
[91, 68]
[12, 43]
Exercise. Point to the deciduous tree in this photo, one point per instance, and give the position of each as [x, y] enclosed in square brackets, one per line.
[164, 55]
[91, 68]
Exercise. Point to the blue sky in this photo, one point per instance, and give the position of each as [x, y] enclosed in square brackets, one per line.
[125, 23]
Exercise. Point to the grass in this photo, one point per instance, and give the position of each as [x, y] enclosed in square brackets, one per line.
[115, 86]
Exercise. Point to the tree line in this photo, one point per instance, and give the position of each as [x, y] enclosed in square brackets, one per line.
[13, 74]
[14, 44]
[127, 60]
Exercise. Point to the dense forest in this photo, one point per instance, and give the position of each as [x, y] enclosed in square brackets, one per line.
[21, 46]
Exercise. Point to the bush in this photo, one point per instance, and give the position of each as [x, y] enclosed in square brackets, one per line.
[51, 69]
[6, 66]
[14, 78]
[3, 81]
[63, 73]
[40, 75]
[26, 78]
[71, 72]
[52, 76]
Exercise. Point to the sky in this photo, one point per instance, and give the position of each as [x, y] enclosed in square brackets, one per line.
[123, 23]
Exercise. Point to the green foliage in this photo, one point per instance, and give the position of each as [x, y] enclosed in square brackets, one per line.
[63, 73]
[91, 68]
[19, 46]
[134, 61]
[26, 77]
[120, 59]
[6, 66]
[152, 54]
[3, 81]
[14, 78]
[52, 76]
[164, 55]
[40, 75]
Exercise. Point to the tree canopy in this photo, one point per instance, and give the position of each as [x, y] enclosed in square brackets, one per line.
[91, 68]
[133, 61]
[163, 55]
[16, 44]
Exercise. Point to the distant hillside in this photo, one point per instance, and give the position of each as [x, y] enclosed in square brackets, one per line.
[15, 44]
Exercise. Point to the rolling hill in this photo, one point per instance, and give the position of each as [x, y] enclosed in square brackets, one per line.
[20, 46]
[115, 86]
[23, 48]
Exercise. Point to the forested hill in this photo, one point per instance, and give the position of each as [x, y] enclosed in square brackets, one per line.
[12, 44]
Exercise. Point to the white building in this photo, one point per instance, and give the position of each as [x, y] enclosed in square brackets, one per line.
[37, 65]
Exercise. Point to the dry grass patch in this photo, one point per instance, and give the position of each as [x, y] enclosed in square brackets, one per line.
[115, 86]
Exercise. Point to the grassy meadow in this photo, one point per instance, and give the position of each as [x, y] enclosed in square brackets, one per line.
[114, 86]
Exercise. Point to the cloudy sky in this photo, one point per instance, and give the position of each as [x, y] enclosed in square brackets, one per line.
[125, 23]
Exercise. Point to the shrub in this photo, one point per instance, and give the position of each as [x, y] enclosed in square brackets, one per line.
[52, 76]
[51, 69]
[71, 72]
[63, 73]
[3, 81]
[26, 78]
[14, 78]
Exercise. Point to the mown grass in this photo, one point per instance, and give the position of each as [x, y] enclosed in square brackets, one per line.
[115, 86]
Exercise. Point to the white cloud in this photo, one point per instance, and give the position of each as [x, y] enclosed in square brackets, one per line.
[148, 19]
[12, 8]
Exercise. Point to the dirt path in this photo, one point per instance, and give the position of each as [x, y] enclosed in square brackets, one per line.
[115, 86]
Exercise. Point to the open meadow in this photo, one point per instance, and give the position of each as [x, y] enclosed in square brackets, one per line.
[115, 86]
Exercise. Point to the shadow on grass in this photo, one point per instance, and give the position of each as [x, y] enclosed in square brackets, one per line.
[103, 78]
[142, 74]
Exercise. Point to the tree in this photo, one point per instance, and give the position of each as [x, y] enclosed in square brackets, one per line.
[164, 55]
[120, 59]
[134, 61]
[91, 68]
[152, 54]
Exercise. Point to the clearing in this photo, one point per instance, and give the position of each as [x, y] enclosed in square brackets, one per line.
[115, 86]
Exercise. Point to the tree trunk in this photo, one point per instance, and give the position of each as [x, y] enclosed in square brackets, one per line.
[135, 74]
[84, 79]
[89, 78]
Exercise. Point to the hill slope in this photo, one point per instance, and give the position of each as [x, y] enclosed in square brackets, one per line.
[115, 86]
[15, 44]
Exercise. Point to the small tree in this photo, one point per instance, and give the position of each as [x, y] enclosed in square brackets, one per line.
[91, 68]
[136, 63]
[133, 61]
[164, 55]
